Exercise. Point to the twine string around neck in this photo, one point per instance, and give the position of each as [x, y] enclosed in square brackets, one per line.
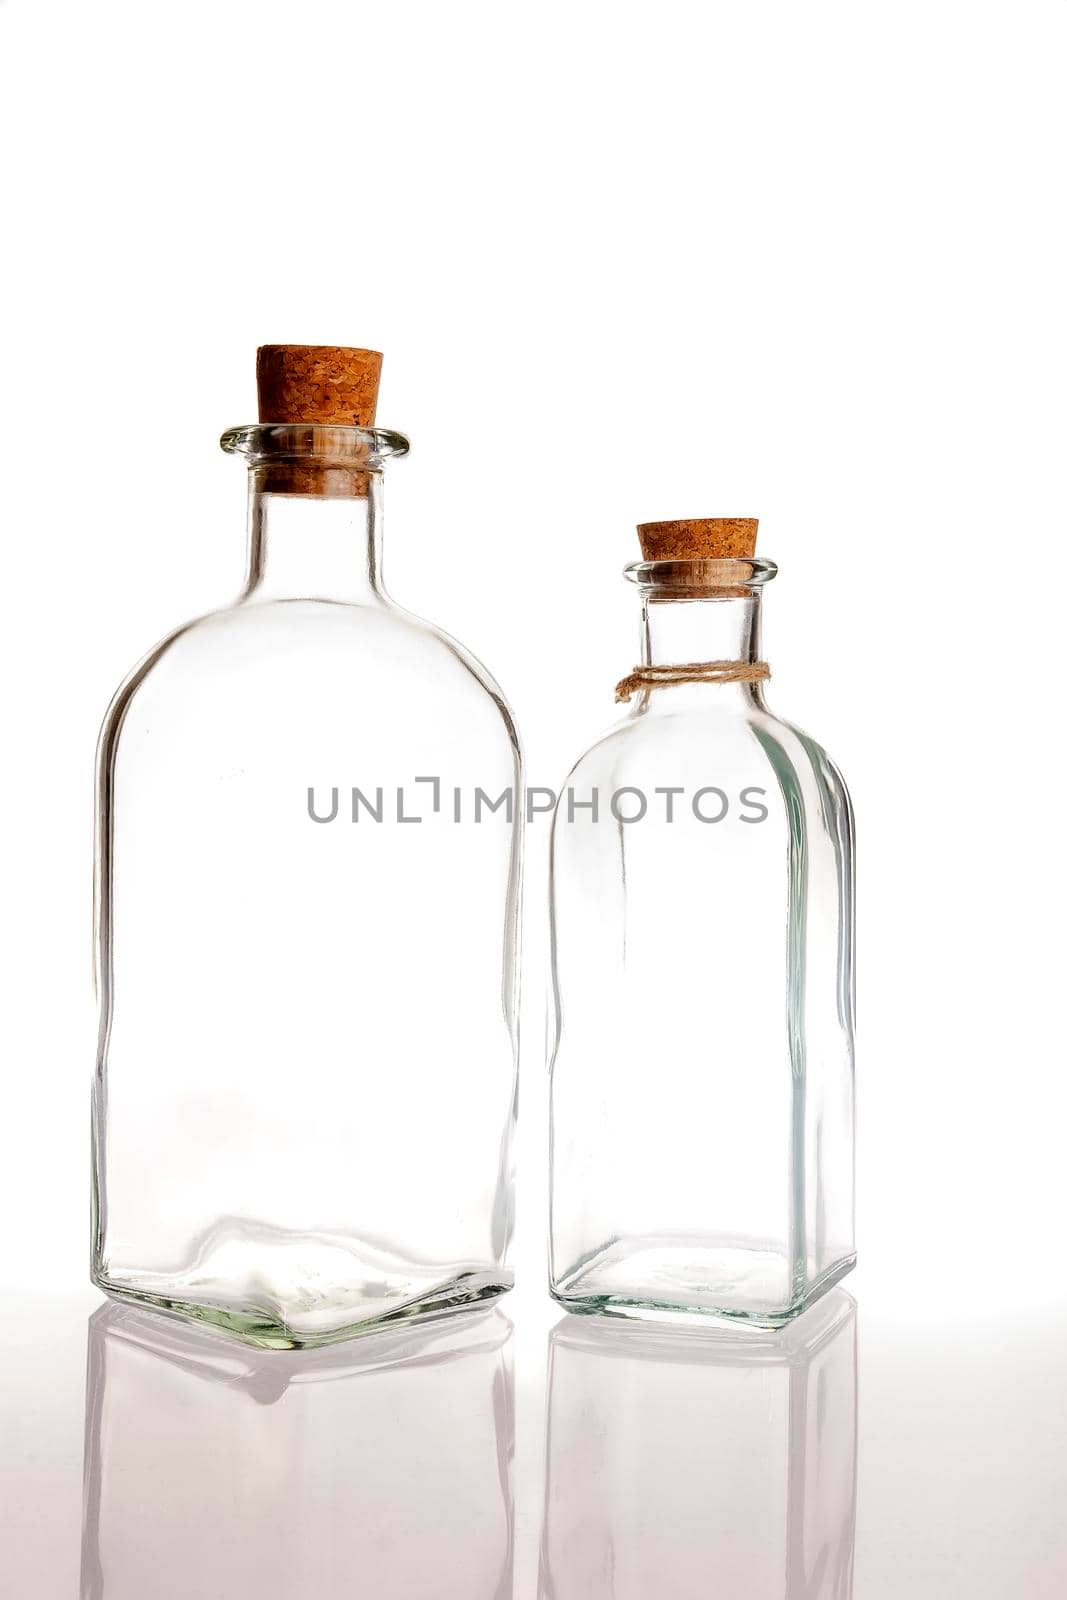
[691, 672]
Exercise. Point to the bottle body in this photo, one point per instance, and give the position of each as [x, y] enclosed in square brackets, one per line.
[702, 1086]
[306, 1082]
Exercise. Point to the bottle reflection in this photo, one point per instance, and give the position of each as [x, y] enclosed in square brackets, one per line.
[381, 1468]
[688, 1463]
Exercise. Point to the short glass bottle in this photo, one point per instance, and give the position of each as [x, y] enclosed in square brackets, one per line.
[703, 968]
[306, 967]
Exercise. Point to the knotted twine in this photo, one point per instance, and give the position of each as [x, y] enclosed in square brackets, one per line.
[692, 672]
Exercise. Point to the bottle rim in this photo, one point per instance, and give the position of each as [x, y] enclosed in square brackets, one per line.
[334, 444]
[724, 577]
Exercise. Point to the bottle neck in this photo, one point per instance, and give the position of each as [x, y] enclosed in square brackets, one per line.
[682, 632]
[314, 546]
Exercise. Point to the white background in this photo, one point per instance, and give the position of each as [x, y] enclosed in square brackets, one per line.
[626, 262]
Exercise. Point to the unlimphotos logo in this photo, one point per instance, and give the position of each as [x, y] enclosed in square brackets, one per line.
[627, 805]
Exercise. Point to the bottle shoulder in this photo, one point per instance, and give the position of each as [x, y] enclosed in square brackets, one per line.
[319, 648]
[698, 729]
[808, 751]
[701, 746]
[465, 659]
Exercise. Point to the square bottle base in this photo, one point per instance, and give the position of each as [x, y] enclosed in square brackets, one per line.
[288, 1292]
[658, 1280]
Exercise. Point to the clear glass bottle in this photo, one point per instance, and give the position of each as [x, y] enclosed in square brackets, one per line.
[687, 1466]
[306, 1080]
[702, 924]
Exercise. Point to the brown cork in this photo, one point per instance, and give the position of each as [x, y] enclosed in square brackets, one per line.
[320, 384]
[317, 383]
[699, 539]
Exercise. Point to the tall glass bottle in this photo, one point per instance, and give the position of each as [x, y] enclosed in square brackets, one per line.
[702, 911]
[306, 948]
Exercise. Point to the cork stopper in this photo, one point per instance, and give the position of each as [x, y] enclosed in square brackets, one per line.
[317, 383]
[324, 385]
[699, 539]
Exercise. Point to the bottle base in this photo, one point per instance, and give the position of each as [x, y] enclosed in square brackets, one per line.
[289, 1292]
[663, 1280]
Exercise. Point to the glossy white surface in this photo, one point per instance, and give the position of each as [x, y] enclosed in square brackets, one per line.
[409, 1467]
